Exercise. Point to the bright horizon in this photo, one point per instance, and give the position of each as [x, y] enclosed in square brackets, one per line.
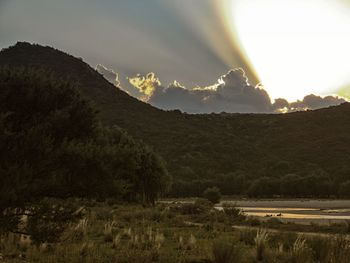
[296, 47]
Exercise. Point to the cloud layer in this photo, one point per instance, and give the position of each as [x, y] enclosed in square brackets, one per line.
[108, 74]
[232, 93]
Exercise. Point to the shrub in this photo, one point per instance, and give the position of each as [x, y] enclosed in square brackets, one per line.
[274, 221]
[225, 252]
[204, 203]
[212, 194]
[48, 220]
[234, 214]
[253, 221]
[200, 206]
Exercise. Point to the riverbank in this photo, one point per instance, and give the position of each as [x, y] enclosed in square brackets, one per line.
[300, 211]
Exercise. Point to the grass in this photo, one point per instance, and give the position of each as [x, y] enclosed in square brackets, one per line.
[171, 234]
[260, 240]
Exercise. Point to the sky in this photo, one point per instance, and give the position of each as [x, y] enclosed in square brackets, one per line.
[179, 53]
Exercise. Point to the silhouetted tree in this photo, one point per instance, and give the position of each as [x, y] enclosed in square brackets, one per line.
[212, 194]
[52, 146]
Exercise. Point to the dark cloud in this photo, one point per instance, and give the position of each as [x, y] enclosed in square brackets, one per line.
[310, 102]
[280, 105]
[176, 96]
[239, 96]
[231, 93]
[317, 102]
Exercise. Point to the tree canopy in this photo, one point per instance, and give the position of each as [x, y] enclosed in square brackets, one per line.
[51, 145]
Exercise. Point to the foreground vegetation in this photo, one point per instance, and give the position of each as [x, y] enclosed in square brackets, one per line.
[51, 145]
[113, 232]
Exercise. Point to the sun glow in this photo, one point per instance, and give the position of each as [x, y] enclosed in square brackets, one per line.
[296, 47]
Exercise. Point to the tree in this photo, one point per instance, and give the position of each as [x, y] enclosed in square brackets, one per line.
[51, 145]
[344, 189]
[212, 194]
[38, 117]
[264, 186]
[291, 185]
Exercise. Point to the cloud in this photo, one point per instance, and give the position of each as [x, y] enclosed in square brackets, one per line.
[232, 93]
[239, 96]
[175, 96]
[316, 102]
[145, 84]
[113, 77]
[281, 106]
[310, 102]
[109, 74]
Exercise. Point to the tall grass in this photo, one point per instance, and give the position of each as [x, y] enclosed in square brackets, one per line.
[192, 242]
[165, 240]
[339, 249]
[300, 251]
[260, 240]
[108, 231]
[79, 232]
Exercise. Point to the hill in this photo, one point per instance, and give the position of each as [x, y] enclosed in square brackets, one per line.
[294, 154]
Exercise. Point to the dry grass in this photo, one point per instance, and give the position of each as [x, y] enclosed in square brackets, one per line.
[161, 235]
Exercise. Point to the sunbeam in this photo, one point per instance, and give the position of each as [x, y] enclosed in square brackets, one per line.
[296, 47]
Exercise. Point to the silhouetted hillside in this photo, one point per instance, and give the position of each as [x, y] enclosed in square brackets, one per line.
[302, 153]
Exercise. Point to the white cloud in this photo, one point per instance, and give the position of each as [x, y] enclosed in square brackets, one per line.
[232, 93]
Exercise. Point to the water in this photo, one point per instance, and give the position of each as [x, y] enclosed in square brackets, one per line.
[300, 211]
[297, 211]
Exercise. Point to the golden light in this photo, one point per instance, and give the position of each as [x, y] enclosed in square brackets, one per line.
[297, 47]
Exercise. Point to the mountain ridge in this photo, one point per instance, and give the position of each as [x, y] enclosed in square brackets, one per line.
[202, 149]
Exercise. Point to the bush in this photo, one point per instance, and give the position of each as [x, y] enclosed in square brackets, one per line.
[212, 194]
[200, 206]
[48, 220]
[225, 252]
[204, 203]
[235, 214]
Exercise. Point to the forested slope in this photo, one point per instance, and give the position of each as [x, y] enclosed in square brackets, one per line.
[302, 153]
